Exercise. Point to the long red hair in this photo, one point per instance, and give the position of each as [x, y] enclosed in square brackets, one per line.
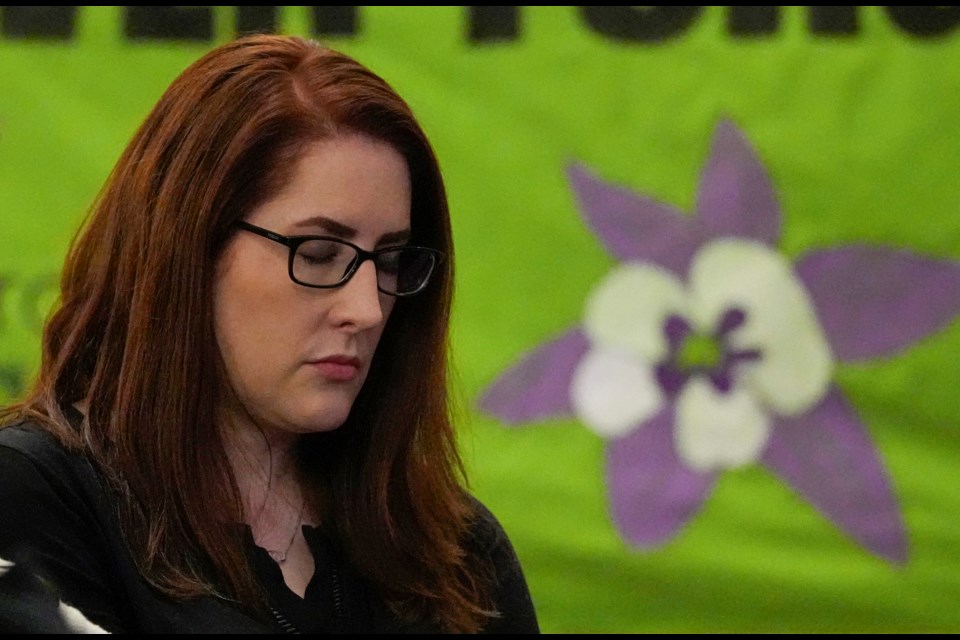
[133, 336]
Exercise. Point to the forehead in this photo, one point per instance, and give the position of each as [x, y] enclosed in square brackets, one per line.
[361, 183]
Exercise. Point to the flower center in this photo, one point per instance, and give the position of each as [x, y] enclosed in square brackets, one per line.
[710, 355]
[699, 352]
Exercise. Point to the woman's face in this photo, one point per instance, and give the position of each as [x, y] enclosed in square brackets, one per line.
[296, 357]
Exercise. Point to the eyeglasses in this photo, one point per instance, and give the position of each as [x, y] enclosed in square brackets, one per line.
[323, 262]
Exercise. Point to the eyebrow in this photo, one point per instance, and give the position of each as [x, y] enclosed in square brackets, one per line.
[349, 233]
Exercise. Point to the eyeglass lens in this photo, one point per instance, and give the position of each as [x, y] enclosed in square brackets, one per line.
[327, 262]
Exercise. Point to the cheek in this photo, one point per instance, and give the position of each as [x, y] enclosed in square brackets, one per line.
[247, 315]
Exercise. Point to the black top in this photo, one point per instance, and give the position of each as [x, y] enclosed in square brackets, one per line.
[57, 520]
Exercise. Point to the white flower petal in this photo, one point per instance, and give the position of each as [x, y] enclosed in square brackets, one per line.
[718, 431]
[795, 366]
[629, 308]
[612, 392]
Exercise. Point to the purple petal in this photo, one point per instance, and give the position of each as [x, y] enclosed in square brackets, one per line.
[736, 196]
[722, 380]
[652, 493]
[875, 301]
[670, 378]
[538, 386]
[733, 318]
[631, 226]
[828, 457]
[675, 330]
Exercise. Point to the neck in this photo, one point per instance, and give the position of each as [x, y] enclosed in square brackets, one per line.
[264, 466]
[259, 453]
[265, 469]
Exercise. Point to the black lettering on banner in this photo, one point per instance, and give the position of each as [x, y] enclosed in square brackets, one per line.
[41, 23]
[925, 21]
[334, 21]
[640, 24]
[256, 20]
[168, 23]
[493, 24]
[753, 21]
[834, 21]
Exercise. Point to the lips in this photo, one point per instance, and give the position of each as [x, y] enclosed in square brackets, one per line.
[338, 368]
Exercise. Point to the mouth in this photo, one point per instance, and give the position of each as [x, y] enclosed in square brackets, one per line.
[338, 368]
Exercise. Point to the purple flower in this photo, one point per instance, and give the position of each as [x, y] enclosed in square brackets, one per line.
[706, 350]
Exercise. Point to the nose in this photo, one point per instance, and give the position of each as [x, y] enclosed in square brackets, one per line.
[358, 305]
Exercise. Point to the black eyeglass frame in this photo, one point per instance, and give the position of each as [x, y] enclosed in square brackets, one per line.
[293, 243]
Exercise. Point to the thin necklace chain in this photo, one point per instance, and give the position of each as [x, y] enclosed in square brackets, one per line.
[279, 557]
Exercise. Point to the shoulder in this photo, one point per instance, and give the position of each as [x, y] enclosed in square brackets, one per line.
[514, 604]
[28, 451]
[41, 480]
[55, 534]
[489, 541]
[30, 439]
[486, 532]
[48, 492]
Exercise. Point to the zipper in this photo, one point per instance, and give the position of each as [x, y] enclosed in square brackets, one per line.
[286, 625]
[337, 597]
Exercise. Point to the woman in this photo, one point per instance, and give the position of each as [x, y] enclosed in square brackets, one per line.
[241, 422]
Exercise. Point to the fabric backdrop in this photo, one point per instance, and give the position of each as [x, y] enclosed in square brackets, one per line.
[707, 320]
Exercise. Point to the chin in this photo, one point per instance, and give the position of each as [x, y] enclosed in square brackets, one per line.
[323, 426]
[323, 418]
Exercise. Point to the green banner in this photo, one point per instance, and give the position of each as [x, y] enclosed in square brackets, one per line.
[707, 319]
